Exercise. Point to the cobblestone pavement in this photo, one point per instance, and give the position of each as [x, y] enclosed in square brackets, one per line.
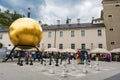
[37, 71]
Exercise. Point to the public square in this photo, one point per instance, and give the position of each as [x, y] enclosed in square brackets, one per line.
[38, 71]
[59, 40]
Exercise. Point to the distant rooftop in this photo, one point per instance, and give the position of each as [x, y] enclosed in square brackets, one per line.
[72, 26]
[65, 26]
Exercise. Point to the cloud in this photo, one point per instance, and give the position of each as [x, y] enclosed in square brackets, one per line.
[3, 8]
[21, 6]
[48, 11]
[61, 9]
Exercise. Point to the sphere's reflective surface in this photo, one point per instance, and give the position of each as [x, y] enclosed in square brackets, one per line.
[25, 31]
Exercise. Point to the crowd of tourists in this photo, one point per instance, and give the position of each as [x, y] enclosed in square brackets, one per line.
[58, 57]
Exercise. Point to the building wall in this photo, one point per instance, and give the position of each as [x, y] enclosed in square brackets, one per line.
[47, 40]
[91, 39]
[5, 39]
[111, 14]
[98, 22]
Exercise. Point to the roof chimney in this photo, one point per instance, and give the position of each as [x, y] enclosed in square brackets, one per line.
[40, 22]
[92, 20]
[78, 21]
[68, 21]
[58, 22]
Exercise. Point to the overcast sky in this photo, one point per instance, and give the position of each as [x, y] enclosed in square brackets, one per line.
[48, 11]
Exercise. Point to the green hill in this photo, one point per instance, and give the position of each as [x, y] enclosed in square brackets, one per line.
[6, 18]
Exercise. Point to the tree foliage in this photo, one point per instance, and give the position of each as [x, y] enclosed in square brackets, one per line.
[1, 45]
[6, 18]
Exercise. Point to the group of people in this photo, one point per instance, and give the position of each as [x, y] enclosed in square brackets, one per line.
[29, 56]
[58, 57]
[81, 56]
[103, 57]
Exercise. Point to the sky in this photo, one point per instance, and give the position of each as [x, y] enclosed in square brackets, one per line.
[49, 11]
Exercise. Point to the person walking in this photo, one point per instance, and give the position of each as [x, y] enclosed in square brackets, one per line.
[78, 57]
[19, 57]
[108, 57]
[69, 57]
[26, 57]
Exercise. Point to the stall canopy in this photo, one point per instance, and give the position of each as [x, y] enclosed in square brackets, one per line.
[52, 50]
[117, 50]
[99, 50]
[69, 50]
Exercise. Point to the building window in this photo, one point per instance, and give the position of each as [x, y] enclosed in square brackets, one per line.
[111, 29]
[98, 20]
[100, 46]
[0, 36]
[49, 34]
[117, 5]
[109, 15]
[38, 45]
[91, 45]
[99, 32]
[61, 33]
[72, 33]
[42, 45]
[49, 45]
[82, 33]
[60, 46]
[72, 46]
[9, 44]
[83, 46]
[112, 43]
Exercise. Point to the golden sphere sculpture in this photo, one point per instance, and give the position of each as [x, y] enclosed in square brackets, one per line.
[25, 33]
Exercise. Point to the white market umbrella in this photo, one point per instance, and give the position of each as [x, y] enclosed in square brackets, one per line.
[117, 50]
[11, 47]
[99, 50]
[52, 50]
[69, 50]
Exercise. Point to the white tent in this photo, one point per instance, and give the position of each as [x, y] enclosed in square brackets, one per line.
[69, 50]
[99, 50]
[117, 50]
[11, 47]
[52, 50]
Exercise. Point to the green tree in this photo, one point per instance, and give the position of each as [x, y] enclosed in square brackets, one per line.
[1, 45]
[6, 18]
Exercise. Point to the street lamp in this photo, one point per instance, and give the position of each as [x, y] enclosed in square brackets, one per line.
[28, 15]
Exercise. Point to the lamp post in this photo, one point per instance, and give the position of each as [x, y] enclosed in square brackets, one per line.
[28, 14]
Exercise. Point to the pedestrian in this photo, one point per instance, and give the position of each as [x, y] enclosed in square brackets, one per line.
[34, 55]
[78, 57]
[26, 57]
[108, 57]
[38, 55]
[69, 58]
[19, 57]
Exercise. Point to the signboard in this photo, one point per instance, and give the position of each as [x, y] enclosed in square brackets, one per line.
[3, 52]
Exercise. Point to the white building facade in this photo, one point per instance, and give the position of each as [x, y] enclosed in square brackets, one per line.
[4, 38]
[74, 36]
